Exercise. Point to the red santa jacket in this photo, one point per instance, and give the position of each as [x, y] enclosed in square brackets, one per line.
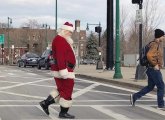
[63, 55]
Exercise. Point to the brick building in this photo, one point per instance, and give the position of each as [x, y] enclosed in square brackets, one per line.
[20, 40]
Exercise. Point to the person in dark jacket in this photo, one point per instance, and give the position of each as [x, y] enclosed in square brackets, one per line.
[153, 72]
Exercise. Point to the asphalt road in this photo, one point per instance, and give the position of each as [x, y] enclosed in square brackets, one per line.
[21, 89]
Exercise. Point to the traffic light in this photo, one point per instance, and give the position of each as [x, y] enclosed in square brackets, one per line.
[2, 45]
[98, 29]
[137, 1]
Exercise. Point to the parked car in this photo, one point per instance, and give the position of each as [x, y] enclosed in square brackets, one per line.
[45, 59]
[88, 61]
[28, 59]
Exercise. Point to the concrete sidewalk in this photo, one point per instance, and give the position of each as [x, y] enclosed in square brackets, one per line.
[128, 73]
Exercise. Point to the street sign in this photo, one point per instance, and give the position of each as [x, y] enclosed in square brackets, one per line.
[2, 38]
[139, 16]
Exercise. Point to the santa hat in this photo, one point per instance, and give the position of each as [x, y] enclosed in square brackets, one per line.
[67, 26]
[159, 33]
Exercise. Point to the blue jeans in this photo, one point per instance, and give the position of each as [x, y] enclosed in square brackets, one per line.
[154, 78]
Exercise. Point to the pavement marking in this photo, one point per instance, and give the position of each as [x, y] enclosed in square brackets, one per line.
[15, 76]
[2, 76]
[35, 119]
[57, 105]
[11, 74]
[53, 113]
[155, 110]
[112, 93]
[9, 81]
[31, 73]
[125, 89]
[85, 90]
[108, 100]
[23, 95]
[74, 100]
[21, 84]
[81, 92]
[20, 101]
[110, 113]
[49, 86]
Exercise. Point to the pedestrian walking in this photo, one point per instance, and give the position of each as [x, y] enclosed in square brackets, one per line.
[63, 70]
[155, 58]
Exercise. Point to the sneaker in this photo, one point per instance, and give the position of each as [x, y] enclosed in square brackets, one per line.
[161, 108]
[132, 100]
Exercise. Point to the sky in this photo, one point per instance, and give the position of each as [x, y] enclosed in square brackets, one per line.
[87, 11]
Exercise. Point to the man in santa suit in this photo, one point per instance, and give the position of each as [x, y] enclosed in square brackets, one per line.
[63, 71]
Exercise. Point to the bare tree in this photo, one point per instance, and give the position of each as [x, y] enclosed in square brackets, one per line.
[3, 25]
[32, 24]
[123, 44]
[151, 19]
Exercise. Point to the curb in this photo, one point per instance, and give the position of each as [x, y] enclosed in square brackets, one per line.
[109, 81]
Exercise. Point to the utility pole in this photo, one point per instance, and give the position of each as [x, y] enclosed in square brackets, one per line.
[46, 26]
[117, 74]
[8, 42]
[110, 44]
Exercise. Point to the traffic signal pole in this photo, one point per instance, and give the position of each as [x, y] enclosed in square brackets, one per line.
[2, 49]
[98, 29]
[140, 70]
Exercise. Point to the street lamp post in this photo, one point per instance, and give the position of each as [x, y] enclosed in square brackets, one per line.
[8, 42]
[117, 74]
[12, 54]
[77, 29]
[56, 17]
[98, 29]
[46, 26]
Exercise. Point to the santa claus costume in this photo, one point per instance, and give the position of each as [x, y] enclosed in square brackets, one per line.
[63, 71]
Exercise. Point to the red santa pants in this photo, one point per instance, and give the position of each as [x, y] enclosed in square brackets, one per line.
[65, 87]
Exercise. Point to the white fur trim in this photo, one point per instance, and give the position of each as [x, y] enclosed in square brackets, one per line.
[57, 74]
[64, 73]
[56, 99]
[65, 103]
[55, 95]
[66, 27]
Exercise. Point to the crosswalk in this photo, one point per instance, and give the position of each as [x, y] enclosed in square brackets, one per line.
[23, 89]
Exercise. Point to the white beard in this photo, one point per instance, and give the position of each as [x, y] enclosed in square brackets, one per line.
[69, 40]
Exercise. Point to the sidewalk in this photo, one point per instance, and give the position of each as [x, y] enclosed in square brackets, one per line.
[128, 73]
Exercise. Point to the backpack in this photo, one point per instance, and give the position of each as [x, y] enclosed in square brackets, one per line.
[143, 55]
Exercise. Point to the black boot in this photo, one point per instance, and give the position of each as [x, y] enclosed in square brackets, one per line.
[64, 115]
[45, 104]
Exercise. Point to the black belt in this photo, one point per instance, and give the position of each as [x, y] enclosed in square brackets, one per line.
[70, 65]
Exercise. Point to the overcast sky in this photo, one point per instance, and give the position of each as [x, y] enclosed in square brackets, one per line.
[87, 11]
